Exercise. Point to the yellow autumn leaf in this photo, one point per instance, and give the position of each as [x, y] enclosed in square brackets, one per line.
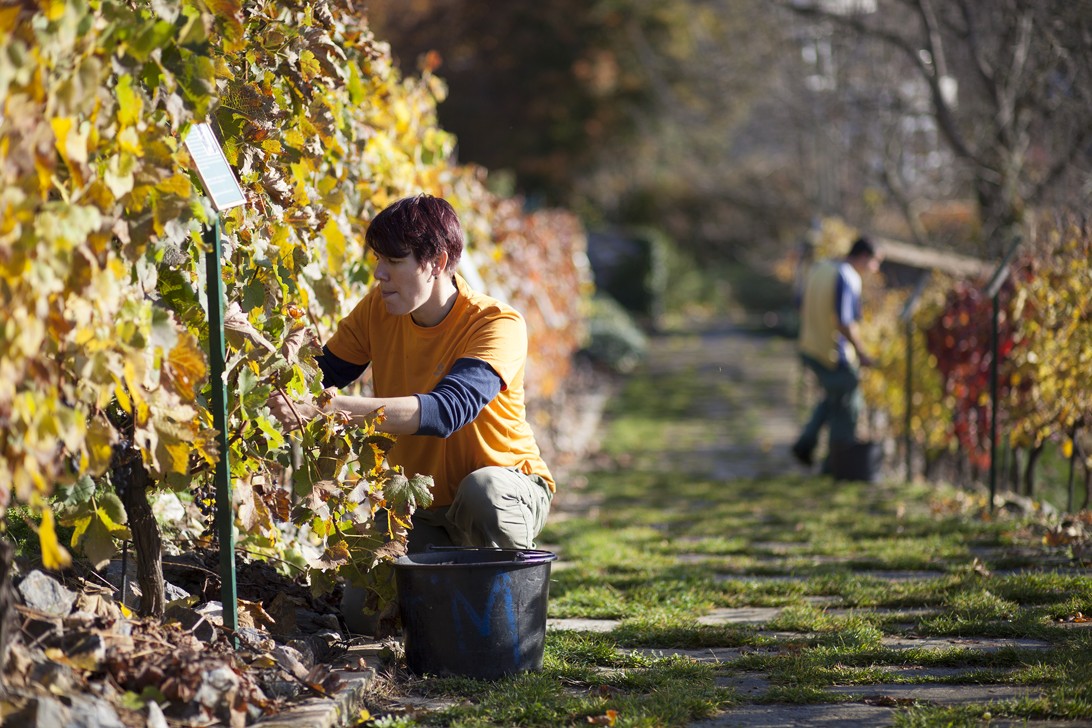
[70, 143]
[123, 398]
[1067, 448]
[97, 542]
[173, 455]
[295, 138]
[140, 410]
[112, 527]
[118, 176]
[8, 16]
[309, 65]
[186, 367]
[129, 142]
[130, 105]
[177, 184]
[81, 525]
[56, 654]
[53, 9]
[335, 246]
[99, 441]
[302, 171]
[54, 555]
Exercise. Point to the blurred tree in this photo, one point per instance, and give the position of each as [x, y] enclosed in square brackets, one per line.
[1009, 86]
[628, 111]
[732, 123]
[534, 86]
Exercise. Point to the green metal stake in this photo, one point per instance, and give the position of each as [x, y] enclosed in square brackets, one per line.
[1072, 460]
[224, 192]
[994, 333]
[909, 396]
[907, 317]
[214, 283]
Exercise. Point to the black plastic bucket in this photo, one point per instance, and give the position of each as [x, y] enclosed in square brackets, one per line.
[861, 460]
[474, 612]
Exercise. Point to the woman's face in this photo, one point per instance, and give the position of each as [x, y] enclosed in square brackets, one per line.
[405, 283]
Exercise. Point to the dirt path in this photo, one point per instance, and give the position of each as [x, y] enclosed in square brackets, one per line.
[749, 390]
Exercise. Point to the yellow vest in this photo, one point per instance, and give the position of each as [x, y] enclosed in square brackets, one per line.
[819, 335]
[408, 359]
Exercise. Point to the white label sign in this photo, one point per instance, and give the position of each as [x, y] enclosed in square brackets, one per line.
[213, 169]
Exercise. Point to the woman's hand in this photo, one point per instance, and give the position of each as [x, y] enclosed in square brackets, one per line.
[292, 416]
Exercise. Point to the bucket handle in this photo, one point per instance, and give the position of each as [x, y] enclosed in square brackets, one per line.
[520, 555]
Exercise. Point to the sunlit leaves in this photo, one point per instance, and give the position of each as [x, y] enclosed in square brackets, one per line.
[1044, 346]
[95, 535]
[130, 104]
[1051, 379]
[185, 367]
[54, 555]
[884, 385]
[102, 258]
[78, 316]
[404, 495]
[251, 510]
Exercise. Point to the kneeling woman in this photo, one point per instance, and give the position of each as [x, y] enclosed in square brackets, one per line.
[448, 370]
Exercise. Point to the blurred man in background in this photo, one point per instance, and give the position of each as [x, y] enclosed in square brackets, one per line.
[830, 346]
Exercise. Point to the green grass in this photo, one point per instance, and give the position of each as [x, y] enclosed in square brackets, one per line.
[583, 677]
[668, 544]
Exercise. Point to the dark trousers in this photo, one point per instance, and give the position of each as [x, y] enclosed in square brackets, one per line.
[838, 409]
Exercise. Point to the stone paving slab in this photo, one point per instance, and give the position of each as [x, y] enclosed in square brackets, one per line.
[343, 709]
[714, 655]
[940, 694]
[866, 712]
[849, 715]
[747, 685]
[981, 644]
[740, 615]
[761, 578]
[919, 672]
[911, 613]
[896, 576]
[582, 625]
[779, 548]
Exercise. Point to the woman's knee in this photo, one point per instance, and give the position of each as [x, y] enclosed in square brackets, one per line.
[484, 488]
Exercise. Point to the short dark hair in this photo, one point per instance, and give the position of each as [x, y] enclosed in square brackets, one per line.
[862, 247]
[424, 226]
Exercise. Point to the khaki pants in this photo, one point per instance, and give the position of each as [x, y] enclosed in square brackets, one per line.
[493, 507]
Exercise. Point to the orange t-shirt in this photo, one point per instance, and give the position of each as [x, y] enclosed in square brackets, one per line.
[408, 359]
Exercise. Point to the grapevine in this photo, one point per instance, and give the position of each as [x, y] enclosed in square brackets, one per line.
[102, 262]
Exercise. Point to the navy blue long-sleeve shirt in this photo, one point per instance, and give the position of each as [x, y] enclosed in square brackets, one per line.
[457, 399]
